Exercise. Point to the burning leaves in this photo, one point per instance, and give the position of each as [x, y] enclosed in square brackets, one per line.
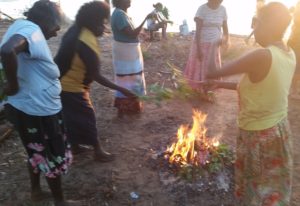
[194, 154]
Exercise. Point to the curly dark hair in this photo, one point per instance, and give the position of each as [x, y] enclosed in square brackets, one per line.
[44, 13]
[91, 14]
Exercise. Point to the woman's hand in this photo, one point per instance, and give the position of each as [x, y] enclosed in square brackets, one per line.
[210, 85]
[128, 93]
[10, 89]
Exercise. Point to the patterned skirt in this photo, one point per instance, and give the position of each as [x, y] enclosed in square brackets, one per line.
[44, 140]
[195, 70]
[263, 169]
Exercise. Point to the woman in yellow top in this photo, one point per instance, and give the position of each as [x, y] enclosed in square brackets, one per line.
[79, 63]
[263, 166]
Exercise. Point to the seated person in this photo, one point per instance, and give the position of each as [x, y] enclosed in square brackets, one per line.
[157, 21]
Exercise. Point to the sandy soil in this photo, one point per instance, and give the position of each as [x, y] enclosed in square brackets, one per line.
[135, 140]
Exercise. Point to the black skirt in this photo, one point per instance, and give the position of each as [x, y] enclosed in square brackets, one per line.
[80, 119]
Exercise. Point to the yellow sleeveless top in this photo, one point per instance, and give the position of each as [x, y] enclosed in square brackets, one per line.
[74, 79]
[265, 103]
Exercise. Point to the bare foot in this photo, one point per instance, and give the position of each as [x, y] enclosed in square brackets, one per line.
[102, 156]
[79, 149]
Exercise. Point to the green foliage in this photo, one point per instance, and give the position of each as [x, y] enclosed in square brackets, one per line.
[218, 158]
[165, 12]
[180, 89]
[146, 54]
[157, 94]
[191, 172]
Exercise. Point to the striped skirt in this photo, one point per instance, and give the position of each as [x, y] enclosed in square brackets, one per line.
[129, 73]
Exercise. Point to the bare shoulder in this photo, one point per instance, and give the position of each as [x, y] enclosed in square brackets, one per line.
[260, 55]
[257, 58]
[261, 60]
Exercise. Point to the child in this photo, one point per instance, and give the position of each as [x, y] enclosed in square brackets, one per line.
[263, 168]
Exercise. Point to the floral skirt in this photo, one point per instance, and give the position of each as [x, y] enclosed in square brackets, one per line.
[44, 140]
[263, 169]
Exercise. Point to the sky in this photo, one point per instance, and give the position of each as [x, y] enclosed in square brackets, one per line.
[239, 12]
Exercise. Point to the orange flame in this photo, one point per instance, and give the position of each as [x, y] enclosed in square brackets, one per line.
[191, 142]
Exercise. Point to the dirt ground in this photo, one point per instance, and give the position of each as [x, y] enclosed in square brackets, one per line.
[135, 140]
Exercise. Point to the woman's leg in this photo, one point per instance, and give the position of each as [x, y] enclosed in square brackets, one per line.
[17, 119]
[36, 192]
[164, 30]
[57, 193]
[56, 190]
[101, 155]
[151, 35]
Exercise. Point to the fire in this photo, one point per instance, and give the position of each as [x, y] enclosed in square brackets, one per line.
[192, 146]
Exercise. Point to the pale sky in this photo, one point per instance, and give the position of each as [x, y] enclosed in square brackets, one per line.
[239, 12]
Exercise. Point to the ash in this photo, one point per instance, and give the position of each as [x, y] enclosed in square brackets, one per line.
[205, 190]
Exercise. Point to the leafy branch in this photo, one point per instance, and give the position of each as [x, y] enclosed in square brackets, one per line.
[180, 89]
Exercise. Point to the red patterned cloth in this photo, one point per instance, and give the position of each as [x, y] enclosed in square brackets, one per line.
[128, 105]
[263, 168]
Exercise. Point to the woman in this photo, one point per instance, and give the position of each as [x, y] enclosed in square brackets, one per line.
[79, 63]
[211, 20]
[264, 160]
[33, 102]
[127, 58]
